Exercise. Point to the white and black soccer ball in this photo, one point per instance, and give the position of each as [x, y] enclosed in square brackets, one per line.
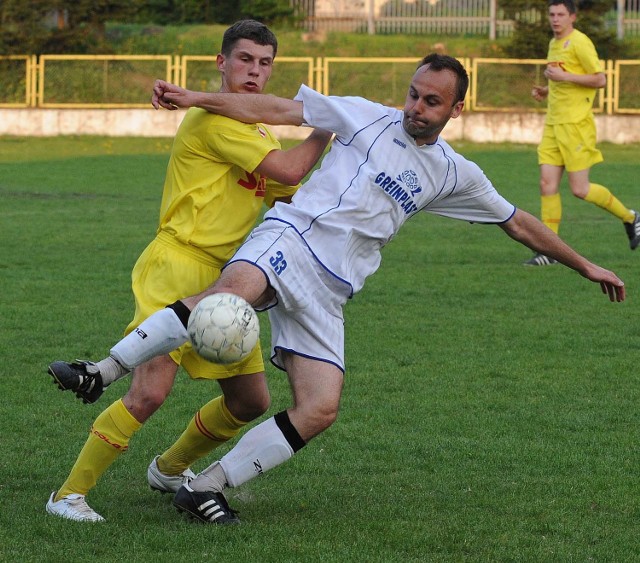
[223, 328]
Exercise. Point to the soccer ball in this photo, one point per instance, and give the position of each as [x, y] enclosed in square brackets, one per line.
[223, 328]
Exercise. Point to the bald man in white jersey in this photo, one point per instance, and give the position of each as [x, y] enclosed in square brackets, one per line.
[308, 258]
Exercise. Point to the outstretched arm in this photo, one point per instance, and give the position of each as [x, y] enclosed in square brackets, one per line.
[248, 108]
[528, 230]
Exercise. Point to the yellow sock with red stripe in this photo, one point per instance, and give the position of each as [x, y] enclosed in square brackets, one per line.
[212, 426]
[108, 438]
[551, 211]
[602, 197]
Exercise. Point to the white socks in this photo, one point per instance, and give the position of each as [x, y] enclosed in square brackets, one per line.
[260, 449]
[157, 335]
[211, 479]
[110, 370]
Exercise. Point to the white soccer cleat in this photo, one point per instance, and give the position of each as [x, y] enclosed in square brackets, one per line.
[73, 507]
[158, 481]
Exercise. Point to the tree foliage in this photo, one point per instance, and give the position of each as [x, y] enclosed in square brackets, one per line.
[22, 27]
[267, 11]
[58, 26]
[165, 12]
[78, 26]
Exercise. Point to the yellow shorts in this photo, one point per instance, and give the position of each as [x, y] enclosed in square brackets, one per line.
[572, 145]
[167, 271]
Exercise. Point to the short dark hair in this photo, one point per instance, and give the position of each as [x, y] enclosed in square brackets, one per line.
[439, 62]
[569, 4]
[248, 29]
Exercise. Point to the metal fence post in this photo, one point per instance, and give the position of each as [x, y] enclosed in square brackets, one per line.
[608, 98]
[33, 81]
[493, 11]
[177, 69]
[371, 24]
[317, 74]
[620, 19]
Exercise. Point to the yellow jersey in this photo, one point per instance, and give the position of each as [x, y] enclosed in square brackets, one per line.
[569, 102]
[212, 197]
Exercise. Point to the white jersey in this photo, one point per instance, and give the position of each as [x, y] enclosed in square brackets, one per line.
[373, 179]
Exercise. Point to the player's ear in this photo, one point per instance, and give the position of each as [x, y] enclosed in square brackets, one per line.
[456, 110]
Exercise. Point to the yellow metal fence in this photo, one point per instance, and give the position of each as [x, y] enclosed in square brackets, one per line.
[125, 81]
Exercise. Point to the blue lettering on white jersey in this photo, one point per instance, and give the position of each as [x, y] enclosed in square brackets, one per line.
[373, 179]
[278, 262]
[398, 192]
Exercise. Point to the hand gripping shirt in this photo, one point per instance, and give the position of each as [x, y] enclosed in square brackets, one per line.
[374, 179]
[211, 196]
[569, 102]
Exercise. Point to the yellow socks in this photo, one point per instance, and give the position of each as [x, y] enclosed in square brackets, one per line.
[602, 197]
[551, 206]
[551, 211]
[108, 438]
[212, 426]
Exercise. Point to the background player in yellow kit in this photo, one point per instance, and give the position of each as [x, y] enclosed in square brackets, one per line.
[569, 138]
[219, 174]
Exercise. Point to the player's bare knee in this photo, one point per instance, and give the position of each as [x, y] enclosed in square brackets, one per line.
[260, 405]
[321, 417]
[139, 410]
[579, 192]
[153, 401]
[249, 408]
[142, 403]
[547, 187]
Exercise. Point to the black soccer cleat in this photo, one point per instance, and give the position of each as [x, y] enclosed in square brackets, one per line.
[74, 377]
[540, 260]
[208, 507]
[633, 231]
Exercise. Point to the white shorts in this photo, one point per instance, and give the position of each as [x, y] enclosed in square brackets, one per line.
[306, 315]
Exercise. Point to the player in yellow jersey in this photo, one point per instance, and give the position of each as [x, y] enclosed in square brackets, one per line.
[219, 174]
[568, 142]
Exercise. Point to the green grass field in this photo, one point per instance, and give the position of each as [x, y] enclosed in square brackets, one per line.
[489, 412]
